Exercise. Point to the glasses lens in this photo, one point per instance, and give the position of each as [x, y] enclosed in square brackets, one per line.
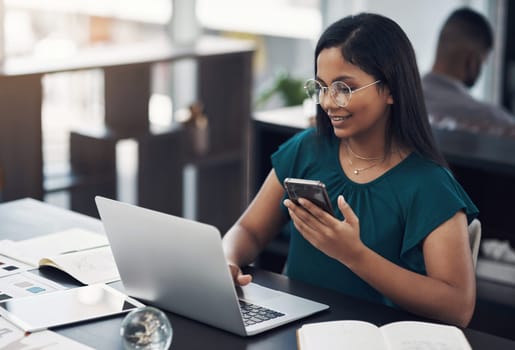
[313, 90]
[340, 93]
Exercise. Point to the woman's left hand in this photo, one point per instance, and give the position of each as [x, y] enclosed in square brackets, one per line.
[338, 239]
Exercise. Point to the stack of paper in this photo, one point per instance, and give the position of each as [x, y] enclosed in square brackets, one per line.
[82, 254]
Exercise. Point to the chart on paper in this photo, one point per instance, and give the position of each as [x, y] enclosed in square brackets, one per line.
[9, 266]
[25, 284]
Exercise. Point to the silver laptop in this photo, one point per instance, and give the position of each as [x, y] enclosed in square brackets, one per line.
[178, 265]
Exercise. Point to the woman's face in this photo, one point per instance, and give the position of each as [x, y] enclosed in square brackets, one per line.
[368, 109]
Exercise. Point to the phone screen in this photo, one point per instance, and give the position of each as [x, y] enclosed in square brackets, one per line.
[66, 306]
[314, 191]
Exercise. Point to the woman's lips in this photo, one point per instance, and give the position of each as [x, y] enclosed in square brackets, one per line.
[337, 119]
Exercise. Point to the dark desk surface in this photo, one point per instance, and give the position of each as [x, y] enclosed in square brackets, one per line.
[25, 218]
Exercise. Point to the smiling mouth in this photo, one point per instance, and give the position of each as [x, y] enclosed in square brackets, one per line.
[339, 119]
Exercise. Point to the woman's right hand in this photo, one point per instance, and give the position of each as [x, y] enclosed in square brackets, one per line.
[238, 277]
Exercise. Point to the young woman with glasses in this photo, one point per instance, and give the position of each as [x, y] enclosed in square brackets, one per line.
[398, 234]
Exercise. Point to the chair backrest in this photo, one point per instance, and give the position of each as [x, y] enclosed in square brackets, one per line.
[475, 238]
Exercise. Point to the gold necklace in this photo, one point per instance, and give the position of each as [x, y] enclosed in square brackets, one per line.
[357, 156]
[357, 171]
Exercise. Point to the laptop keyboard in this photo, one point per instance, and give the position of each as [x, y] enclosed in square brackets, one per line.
[253, 314]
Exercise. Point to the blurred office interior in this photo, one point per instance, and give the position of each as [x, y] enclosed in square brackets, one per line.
[281, 34]
[284, 33]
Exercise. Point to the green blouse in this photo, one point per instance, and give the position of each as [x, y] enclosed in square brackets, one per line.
[396, 211]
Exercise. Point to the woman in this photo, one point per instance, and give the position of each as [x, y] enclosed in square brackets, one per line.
[399, 231]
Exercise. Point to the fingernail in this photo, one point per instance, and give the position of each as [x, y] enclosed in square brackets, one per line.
[343, 198]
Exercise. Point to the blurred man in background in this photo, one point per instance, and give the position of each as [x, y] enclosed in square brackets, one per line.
[464, 43]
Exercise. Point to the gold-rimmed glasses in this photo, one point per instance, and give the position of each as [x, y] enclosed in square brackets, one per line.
[339, 91]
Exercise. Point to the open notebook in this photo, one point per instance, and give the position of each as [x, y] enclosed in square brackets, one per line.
[403, 335]
[84, 255]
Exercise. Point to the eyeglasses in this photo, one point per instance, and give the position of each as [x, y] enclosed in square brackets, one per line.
[340, 92]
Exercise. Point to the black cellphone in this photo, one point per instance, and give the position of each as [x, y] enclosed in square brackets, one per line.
[312, 190]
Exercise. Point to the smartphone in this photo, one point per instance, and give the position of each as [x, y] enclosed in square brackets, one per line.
[63, 307]
[312, 190]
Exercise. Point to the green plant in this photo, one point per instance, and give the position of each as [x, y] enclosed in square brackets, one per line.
[290, 90]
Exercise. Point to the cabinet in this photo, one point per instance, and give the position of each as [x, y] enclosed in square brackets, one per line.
[224, 88]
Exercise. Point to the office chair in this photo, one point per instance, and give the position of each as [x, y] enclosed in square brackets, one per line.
[474, 230]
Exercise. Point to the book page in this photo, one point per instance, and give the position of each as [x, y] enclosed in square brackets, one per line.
[340, 335]
[30, 251]
[13, 338]
[87, 266]
[411, 335]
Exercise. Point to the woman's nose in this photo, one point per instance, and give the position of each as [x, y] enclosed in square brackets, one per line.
[327, 102]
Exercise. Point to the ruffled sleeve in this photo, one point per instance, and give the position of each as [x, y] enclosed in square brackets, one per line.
[436, 198]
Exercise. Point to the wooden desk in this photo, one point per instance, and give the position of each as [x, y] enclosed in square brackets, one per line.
[26, 218]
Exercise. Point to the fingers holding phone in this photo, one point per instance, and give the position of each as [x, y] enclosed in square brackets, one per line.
[312, 190]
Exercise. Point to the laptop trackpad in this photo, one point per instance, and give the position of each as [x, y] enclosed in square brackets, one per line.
[256, 293]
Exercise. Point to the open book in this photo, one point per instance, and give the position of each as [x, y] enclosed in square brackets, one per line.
[404, 335]
[84, 255]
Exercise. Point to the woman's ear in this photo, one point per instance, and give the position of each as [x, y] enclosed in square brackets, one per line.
[389, 98]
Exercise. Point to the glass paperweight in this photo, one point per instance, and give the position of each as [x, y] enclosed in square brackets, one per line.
[146, 328]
